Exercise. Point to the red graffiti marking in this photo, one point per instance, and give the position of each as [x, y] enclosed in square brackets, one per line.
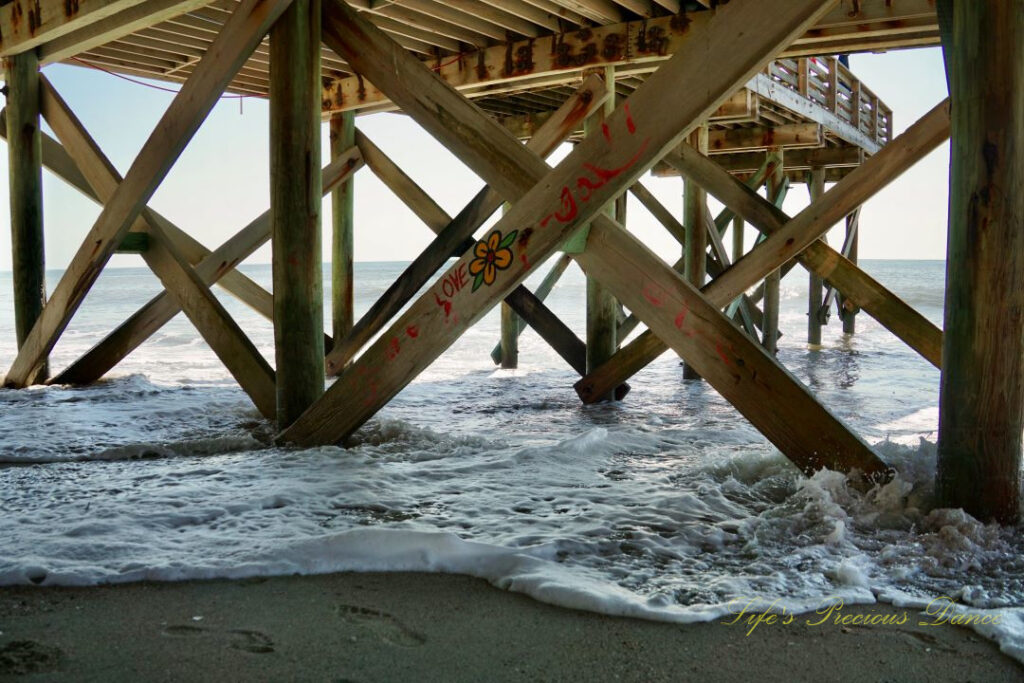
[600, 176]
[454, 281]
[412, 331]
[368, 377]
[568, 211]
[629, 118]
[722, 354]
[443, 303]
[393, 348]
[654, 294]
[524, 260]
[607, 132]
[681, 318]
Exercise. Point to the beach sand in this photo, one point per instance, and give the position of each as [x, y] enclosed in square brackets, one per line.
[422, 627]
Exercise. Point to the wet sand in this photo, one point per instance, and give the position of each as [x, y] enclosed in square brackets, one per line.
[432, 627]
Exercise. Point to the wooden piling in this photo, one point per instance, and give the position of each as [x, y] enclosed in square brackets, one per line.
[602, 308]
[295, 208]
[509, 337]
[981, 404]
[695, 203]
[772, 283]
[24, 148]
[848, 308]
[343, 137]
[737, 238]
[509, 331]
[815, 282]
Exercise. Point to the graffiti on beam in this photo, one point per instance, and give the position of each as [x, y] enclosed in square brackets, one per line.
[595, 178]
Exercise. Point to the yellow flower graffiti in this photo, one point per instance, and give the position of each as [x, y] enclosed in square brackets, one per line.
[492, 254]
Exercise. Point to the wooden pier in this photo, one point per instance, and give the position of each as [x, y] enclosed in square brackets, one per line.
[731, 96]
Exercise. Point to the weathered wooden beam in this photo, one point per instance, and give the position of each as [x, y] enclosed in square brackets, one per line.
[342, 138]
[737, 238]
[789, 236]
[25, 185]
[509, 344]
[119, 24]
[773, 280]
[796, 160]
[295, 208]
[455, 235]
[559, 58]
[403, 187]
[555, 204]
[695, 205]
[786, 136]
[602, 308]
[981, 402]
[215, 325]
[238, 38]
[24, 26]
[848, 309]
[815, 297]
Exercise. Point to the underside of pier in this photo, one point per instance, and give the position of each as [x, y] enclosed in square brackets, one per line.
[731, 96]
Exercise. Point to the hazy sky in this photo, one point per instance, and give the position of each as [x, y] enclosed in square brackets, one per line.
[221, 181]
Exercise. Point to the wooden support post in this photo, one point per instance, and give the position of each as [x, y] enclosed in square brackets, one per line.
[295, 208]
[848, 309]
[509, 331]
[602, 308]
[981, 403]
[773, 282]
[815, 283]
[695, 204]
[343, 137]
[239, 36]
[509, 337]
[737, 238]
[25, 176]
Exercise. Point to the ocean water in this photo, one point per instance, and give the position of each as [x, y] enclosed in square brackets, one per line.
[667, 506]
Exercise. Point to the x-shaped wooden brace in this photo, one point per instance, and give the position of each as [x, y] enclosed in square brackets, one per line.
[211, 267]
[798, 238]
[238, 38]
[552, 204]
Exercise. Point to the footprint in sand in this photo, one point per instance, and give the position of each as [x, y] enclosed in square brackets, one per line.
[237, 639]
[382, 625]
[22, 657]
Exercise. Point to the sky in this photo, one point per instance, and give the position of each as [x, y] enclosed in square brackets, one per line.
[221, 181]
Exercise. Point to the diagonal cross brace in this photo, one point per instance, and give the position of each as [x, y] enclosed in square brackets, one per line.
[569, 196]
